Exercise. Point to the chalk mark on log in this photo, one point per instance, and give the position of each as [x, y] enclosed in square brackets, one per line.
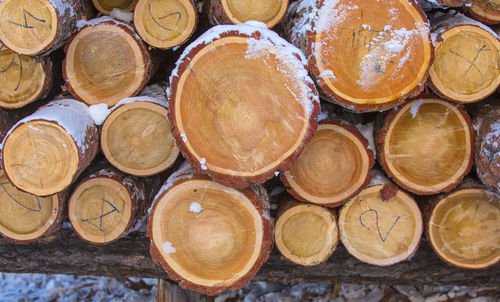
[25, 25]
[19, 203]
[378, 227]
[472, 63]
[89, 220]
[178, 14]
[12, 64]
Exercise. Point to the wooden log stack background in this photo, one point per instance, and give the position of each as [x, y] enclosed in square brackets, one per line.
[306, 124]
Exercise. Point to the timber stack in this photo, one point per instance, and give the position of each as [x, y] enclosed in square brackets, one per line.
[370, 124]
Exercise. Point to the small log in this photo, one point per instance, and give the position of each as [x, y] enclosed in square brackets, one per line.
[463, 227]
[25, 218]
[136, 137]
[426, 145]
[24, 79]
[241, 104]
[359, 60]
[334, 166]
[466, 57]
[306, 234]
[382, 225]
[107, 204]
[106, 6]
[45, 152]
[34, 27]
[207, 236]
[486, 122]
[486, 11]
[165, 23]
[106, 61]
[446, 3]
[270, 12]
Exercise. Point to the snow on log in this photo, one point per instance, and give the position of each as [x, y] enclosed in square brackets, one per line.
[334, 166]
[33, 27]
[382, 225]
[466, 58]
[270, 12]
[359, 60]
[106, 61]
[136, 137]
[107, 204]
[242, 104]
[165, 23]
[106, 6]
[487, 11]
[463, 227]
[486, 121]
[45, 152]
[25, 218]
[306, 234]
[426, 146]
[207, 236]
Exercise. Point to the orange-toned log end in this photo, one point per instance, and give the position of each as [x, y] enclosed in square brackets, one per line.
[381, 232]
[107, 204]
[359, 60]
[136, 138]
[207, 236]
[24, 79]
[334, 166]
[486, 11]
[242, 104]
[270, 12]
[426, 146]
[487, 144]
[106, 61]
[306, 234]
[45, 152]
[37, 27]
[165, 23]
[25, 218]
[465, 67]
[464, 228]
[106, 6]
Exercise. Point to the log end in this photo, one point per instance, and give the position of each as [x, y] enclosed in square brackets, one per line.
[106, 6]
[270, 12]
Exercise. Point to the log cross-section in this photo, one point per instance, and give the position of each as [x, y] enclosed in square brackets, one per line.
[106, 6]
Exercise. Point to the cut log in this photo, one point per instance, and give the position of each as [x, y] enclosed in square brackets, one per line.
[270, 12]
[241, 104]
[464, 227]
[359, 60]
[108, 204]
[487, 11]
[25, 218]
[136, 137]
[382, 225]
[33, 27]
[306, 234]
[445, 3]
[486, 122]
[165, 23]
[23, 79]
[45, 152]
[106, 61]
[208, 236]
[106, 6]
[426, 146]
[466, 59]
[334, 166]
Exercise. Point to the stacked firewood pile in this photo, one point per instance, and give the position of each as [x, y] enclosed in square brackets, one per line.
[371, 113]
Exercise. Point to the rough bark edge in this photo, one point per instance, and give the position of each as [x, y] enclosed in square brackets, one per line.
[140, 191]
[217, 14]
[371, 161]
[238, 182]
[146, 56]
[431, 202]
[306, 44]
[257, 195]
[439, 28]
[382, 124]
